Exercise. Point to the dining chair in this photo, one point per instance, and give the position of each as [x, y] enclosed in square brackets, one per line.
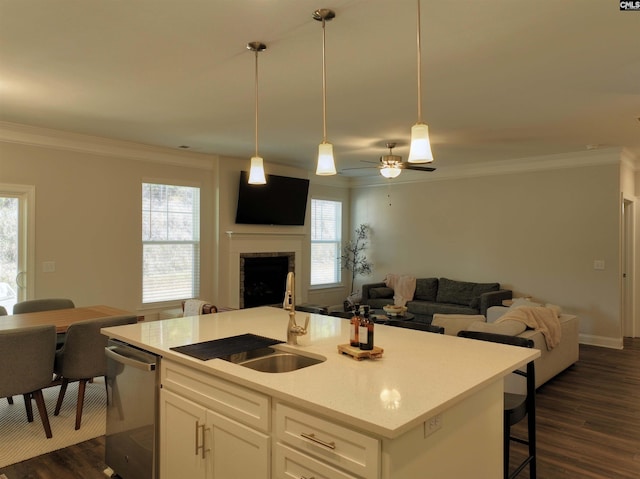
[516, 406]
[47, 304]
[82, 357]
[3, 312]
[27, 355]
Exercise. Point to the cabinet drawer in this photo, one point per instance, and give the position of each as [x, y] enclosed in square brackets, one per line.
[236, 402]
[331, 443]
[292, 464]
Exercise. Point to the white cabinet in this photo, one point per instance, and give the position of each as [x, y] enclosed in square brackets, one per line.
[202, 434]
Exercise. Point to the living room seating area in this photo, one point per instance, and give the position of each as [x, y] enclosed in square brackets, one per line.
[439, 295]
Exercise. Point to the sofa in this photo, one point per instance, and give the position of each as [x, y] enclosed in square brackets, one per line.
[440, 296]
[549, 364]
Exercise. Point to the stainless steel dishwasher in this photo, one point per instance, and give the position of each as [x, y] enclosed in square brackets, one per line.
[132, 405]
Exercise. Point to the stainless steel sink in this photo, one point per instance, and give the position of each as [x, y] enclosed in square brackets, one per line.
[272, 360]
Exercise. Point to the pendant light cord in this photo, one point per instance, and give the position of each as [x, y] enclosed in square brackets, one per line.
[419, 67]
[256, 103]
[324, 86]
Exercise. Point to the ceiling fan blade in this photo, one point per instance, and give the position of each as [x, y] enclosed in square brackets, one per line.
[417, 168]
[359, 168]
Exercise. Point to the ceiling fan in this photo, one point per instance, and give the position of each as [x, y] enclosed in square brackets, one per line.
[391, 165]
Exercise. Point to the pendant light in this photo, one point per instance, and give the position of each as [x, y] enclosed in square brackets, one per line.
[420, 150]
[326, 164]
[256, 173]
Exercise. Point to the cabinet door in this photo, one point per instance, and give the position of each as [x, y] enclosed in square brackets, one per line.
[181, 431]
[236, 451]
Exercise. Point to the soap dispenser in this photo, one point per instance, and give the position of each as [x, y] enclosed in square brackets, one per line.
[365, 332]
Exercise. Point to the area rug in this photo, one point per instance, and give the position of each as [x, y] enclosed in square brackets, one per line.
[21, 440]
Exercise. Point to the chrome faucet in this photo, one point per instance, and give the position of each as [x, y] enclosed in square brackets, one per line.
[289, 304]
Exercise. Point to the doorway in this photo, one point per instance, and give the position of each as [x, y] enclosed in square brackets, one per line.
[17, 216]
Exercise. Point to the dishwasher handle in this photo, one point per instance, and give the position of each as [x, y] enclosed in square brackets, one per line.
[114, 352]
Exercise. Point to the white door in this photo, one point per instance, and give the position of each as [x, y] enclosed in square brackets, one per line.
[17, 216]
[181, 438]
[236, 451]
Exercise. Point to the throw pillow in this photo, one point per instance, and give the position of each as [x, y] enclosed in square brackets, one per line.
[383, 292]
[454, 292]
[454, 323]
[509, 327]
[426, 289]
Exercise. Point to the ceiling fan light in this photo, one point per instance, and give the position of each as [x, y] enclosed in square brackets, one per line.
[256, 173]
[420, 150]
[390, 171]
[326, 164]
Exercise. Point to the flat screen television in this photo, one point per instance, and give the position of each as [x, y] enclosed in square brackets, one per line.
[282, 201]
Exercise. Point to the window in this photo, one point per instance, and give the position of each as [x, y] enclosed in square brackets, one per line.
[326, 227]
[170, 242]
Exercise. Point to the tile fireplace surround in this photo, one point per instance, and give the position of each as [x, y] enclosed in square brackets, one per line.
[242, 245]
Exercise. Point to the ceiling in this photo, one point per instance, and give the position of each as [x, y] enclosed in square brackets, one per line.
[502, 80]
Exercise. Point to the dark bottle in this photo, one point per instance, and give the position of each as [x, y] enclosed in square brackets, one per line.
[365, 332]
[354, 327]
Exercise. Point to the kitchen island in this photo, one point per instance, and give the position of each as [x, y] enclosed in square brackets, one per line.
[431, 406]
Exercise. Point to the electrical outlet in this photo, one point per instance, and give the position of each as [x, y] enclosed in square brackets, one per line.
[598, 264]
[431, 425]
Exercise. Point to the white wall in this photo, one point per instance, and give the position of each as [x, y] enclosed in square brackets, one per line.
[88, 213]
[537, 233]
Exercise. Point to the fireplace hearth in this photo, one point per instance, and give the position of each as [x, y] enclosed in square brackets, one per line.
[263, 278]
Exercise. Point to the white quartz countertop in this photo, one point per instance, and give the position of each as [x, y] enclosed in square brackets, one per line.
[419, 375]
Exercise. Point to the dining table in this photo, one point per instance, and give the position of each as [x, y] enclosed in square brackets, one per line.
[60, 318]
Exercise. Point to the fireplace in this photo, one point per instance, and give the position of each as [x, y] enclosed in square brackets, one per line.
[263, 278]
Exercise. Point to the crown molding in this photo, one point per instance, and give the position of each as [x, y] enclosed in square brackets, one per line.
[63, 140]
[521, 165]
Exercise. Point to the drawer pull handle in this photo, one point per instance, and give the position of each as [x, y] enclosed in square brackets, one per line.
[305, 477]
[312, 437]
[197, 438]
[201, 447]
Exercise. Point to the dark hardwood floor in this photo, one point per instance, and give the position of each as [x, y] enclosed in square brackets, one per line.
[588, 422]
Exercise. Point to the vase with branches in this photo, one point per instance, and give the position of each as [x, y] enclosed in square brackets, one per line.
[353, 257]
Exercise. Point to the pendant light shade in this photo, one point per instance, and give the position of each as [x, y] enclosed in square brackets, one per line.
[420, 149]
[326, 164]
[256, 173]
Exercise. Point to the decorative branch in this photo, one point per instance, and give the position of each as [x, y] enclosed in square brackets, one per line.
[353, 258]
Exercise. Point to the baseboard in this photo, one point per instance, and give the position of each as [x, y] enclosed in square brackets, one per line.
[603, 341]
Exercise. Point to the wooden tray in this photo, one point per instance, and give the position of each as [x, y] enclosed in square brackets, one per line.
[359, 354]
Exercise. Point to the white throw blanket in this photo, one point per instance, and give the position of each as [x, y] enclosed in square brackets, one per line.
[193, 307]
[403, 285]
[541, 319]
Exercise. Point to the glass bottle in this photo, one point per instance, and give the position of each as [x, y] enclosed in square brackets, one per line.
[354, 327]
[365, 332]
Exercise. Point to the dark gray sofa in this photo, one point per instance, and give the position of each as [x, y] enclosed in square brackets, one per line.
[440, 295]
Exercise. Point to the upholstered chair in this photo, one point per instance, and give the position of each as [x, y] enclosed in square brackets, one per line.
[82, 356]
[27, 355]
[47, 304]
